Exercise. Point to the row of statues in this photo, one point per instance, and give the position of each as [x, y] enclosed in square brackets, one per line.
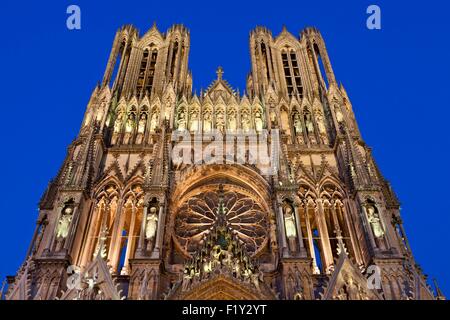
[222, 125]
[130, 127]
[302, 126]
[309, 127]
[373, 218]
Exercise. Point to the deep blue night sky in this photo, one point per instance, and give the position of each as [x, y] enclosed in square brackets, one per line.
[397, 80]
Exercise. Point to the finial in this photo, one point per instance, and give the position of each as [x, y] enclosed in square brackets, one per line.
[219, 73]
[439, 294]
[341, 249]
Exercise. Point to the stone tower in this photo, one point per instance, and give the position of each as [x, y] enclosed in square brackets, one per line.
[165, 194]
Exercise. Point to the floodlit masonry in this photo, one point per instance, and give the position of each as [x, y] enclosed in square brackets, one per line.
[122, 220]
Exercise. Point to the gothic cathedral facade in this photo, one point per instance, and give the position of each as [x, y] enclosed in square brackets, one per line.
[126, 219]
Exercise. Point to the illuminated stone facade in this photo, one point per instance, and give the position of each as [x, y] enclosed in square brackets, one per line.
[319, 222]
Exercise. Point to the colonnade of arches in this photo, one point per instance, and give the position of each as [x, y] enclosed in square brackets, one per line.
[116, 228]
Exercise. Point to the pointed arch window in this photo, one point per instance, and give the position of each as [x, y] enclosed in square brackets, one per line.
[292, 72]
[115, 70]
[322, 71]
[142, 69]
[151, 72]
[265, 59]
[317, 249]
[174, 59]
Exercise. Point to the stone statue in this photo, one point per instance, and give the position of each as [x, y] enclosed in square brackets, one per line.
[207, 266]
[142, 122]
[247, 273]
[321, 125]
[150, 229]
[322, 129]
[258, 122]
[289, 221]
[64, 223]
[351, 289]
[273, 234]
[194, 121]
[298, 124]
[245, 123]
[154, 121]
[187, 276]
[232, 126]
[220, 123]
[237, 267]
[289, 225]
[215, 256]
[181, 122]
[309, 124]
[227, 258]
[375, 222]
[129, 127]
[118, 123]
[207, 123]
[141, 128]
[273, 118]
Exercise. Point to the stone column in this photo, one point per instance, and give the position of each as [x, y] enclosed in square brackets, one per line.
[320, 76]
[263, 76]
[346, 210]
[324, 238]
[91, 236]
[116, 239]
[387, 230]
[141, 243]
[159, 232]
[299, 231]
[404, 238]
[310, 241]
[36, 230]
[125, 270]
[283, 230]
[120, 77]
[73, 227]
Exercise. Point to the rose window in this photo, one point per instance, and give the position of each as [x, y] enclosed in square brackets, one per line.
[198, 214]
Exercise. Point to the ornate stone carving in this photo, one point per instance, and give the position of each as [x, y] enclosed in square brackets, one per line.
[375, 221]
[64, 223]
[151, 227]
[197, 215]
